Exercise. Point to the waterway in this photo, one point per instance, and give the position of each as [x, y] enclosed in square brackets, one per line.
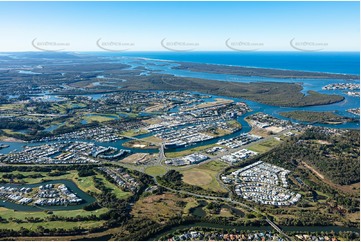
[87, 199]
[254, 228]
[256, 107]
[340, 108]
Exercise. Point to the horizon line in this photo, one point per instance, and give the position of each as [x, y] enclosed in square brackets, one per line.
[180, 52]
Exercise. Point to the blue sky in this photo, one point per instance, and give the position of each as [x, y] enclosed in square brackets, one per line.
[201, 25]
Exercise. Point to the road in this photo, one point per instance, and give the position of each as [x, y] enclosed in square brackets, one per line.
[205, 196]
[228, 200]
[161, 156]
[230, 151]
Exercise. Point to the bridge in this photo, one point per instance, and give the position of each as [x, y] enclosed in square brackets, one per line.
[229, 200]
[161, 152]
[278, 229]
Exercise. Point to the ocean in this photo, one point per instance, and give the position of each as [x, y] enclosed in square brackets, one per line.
[331, 62]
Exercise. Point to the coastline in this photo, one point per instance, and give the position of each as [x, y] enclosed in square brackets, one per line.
[162, 56]
[262, 72]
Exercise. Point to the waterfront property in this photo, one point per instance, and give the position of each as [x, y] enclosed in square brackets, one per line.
[66, 152]
[100, 134]
[269, 123]
[215, 235]
[197, 124]
[242, 139]
[44, 195]
[342, 86]
[355, 111]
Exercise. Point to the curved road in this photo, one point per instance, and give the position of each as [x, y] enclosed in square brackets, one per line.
[229, 200]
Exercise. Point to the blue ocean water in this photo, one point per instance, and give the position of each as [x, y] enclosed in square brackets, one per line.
[332, 62]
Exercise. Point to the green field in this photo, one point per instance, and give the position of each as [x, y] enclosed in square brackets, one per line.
[155, 170]
[205, 176]
[94, 117]
[11, 106]
[134, 132]
[188, 151]
[116, 190]
[8, 213]
[52, 225]
[264, 146]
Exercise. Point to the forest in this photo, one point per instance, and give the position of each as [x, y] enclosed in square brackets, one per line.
[317, 117]
[335, 155]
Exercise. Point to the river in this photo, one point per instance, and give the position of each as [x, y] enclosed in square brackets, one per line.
[254, 228]
[256, 107]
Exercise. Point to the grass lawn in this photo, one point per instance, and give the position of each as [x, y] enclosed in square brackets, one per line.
[134, 132]
[52, 224]
[63, 107]
[188, 151]
[9, 131]
[98, 118]
[84, 183]
[155, 170]
[87, 184]
[116, 190]
[11, 106]
[213, 166]
[234, 124]
[153, 139]
[265, 145]
[197, 177]
[8, 213]
[205, 176]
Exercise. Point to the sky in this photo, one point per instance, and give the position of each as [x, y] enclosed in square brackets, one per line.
[179, 26]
